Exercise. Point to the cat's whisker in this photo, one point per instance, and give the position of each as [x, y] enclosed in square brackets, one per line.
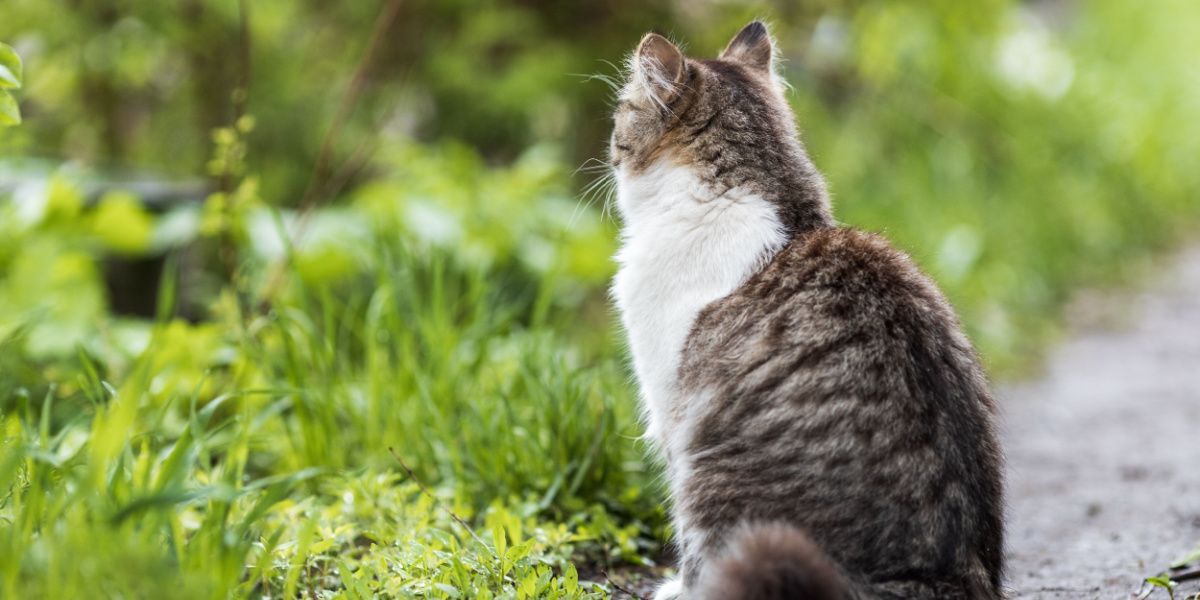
[591, 164]
[610, 197]
[612, 65]
[593, 186]
[596, 189]
[608, 80]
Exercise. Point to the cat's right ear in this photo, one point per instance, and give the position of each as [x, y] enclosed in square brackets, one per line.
[752, 46]
[658, 69]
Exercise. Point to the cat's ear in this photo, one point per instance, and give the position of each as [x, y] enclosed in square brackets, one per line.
[752, 46]
[658, 69]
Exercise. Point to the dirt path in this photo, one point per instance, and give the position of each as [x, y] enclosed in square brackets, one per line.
[1104, 451]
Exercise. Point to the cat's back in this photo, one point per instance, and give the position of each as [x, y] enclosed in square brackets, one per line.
[839, 383]
[835, 301]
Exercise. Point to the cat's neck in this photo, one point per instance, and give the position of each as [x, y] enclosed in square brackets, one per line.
[788, 180]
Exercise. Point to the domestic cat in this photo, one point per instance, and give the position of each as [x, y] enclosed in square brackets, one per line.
[826, 425]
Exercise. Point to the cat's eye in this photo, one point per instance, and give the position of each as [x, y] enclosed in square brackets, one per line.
[624, 148]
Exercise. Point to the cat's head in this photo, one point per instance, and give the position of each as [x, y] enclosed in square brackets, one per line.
[725, 120]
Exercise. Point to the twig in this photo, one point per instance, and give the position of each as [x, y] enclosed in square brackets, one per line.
[350, 168]
[620, 588]
[1184, 573]
[245, 51]
[383, 22]
[438, 503]
[318, 182]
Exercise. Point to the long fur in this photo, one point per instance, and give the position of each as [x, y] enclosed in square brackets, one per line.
[769, 562]
[684, 246]
[826, 426]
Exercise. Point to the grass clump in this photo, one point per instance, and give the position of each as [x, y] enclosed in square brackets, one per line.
[255, 460]
[256, 453]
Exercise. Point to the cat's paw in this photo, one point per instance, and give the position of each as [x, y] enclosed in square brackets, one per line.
[671, 589]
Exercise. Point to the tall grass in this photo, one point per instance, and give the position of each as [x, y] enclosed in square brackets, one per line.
[267, 472]
[470, 384]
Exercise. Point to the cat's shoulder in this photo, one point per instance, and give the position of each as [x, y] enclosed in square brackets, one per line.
[823, 283]
[843, 259]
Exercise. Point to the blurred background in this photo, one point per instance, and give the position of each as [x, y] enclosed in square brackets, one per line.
[246, 248]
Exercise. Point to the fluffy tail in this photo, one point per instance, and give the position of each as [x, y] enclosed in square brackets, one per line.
[773, 562]
[780, 562]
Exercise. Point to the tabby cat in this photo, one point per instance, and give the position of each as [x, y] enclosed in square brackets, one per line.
[825, 424]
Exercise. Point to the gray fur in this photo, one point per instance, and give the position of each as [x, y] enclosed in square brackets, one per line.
[843, 408]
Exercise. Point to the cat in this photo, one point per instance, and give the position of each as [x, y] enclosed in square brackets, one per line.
[826, 426]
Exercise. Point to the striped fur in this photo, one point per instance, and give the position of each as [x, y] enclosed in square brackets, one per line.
[826, 425]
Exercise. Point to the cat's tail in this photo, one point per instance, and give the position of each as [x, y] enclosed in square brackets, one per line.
[780, 562]
[773, 562]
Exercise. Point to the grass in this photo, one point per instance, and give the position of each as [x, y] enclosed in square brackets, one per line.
[450, 318]
[271, 468]
[260, 453]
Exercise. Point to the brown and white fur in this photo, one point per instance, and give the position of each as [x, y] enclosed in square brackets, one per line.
[826, 426]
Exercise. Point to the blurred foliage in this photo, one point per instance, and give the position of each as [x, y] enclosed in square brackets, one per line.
[140, 82]
[445, 298]
[10, 79]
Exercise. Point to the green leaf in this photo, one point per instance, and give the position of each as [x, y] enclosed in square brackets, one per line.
[8, 79]
[355, 588]
[449, 590]
[10, 114]
[1164, 581]
[1191, 557]
[10, 67]
[158, 500]
[518, 552]
[571, 578]
[499, 539]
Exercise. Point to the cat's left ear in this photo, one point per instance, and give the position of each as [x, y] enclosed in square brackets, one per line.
[659, 69]
[752, 46]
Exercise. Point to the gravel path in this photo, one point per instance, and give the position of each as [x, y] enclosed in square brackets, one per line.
[1104, 450]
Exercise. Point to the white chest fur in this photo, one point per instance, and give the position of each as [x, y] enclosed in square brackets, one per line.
[684, 245]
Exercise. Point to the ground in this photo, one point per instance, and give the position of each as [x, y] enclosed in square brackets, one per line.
[1103, 460]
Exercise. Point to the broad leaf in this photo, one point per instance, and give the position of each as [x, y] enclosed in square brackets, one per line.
[10, 114]
[8, 79]
[10, 67]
